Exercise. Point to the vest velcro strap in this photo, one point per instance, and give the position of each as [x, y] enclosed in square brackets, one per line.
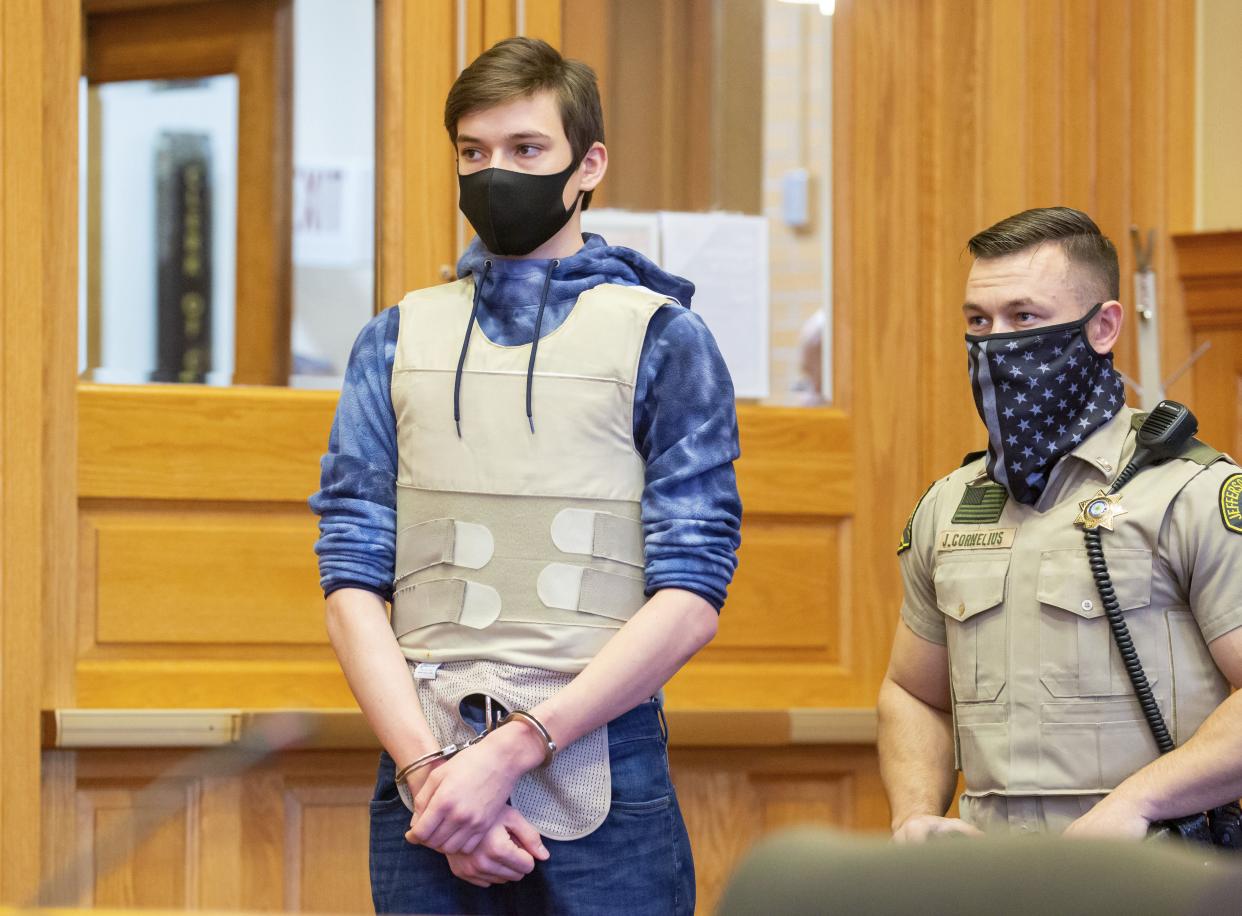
[591, 591]
[470, 604]
[444, 540]
[599, 534]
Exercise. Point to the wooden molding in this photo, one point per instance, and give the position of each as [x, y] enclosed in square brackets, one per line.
[416, 194]
[195, 442]
[1209, 265]
[346, 729]
[38, 343]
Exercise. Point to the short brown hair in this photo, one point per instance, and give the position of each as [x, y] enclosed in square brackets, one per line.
[1080, 238]
[517, 67]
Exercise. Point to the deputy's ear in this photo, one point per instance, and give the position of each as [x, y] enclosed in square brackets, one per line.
[594, 165]
[1104, 330]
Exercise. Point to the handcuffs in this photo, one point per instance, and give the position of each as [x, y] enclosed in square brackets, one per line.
[491, 723]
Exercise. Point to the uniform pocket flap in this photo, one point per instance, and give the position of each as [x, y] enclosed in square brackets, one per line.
[967, 588]
[1065, 579]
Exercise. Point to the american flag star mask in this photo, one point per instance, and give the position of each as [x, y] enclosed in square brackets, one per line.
[1040, 394]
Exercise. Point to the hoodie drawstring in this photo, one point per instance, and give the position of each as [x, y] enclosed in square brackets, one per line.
[534, 345]
[465, 345]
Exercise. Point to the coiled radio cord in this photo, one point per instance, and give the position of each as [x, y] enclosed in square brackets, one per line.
[1121, 636]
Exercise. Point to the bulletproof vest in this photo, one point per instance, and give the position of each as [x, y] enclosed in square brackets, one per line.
[512, 546]
[1042, 703]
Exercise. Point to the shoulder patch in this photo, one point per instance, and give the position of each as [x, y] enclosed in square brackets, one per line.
[981, 505]
[908, 531]
[1230, 494]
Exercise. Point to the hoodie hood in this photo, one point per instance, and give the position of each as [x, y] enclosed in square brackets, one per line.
[518, 281]
[519, 301]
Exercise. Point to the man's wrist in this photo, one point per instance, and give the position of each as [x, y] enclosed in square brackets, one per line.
[1130, 796]
[521, 745]
[908, 814]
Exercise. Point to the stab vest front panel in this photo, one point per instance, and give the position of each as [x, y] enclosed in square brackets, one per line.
[518, 547]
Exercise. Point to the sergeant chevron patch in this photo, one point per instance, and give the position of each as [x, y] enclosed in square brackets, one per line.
[1230, 494]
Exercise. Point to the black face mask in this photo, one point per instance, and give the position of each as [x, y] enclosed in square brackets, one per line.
[515, 212]
[1040, 393]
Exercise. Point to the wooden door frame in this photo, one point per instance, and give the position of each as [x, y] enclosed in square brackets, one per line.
[39, 46]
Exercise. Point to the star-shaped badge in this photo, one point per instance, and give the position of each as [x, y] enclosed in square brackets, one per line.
[1099, 511]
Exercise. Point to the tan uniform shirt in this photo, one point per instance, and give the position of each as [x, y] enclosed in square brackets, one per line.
[1042, 703]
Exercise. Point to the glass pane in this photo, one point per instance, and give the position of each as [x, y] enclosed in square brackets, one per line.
[167, 295]
[161, 184]
[333, 185]
[718, 115]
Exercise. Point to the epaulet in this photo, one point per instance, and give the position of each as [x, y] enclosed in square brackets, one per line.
[1201, 453]
[972, 456]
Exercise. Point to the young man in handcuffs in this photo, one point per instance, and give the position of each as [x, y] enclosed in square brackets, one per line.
[533, 464]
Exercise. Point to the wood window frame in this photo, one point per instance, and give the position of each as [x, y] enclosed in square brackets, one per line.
[136, 40]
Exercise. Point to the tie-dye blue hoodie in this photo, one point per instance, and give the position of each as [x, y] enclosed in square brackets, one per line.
[685, 425]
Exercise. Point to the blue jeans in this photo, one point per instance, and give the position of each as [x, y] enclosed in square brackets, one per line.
[636, 862]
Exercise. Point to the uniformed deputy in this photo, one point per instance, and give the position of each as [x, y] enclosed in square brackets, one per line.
[1003, 665]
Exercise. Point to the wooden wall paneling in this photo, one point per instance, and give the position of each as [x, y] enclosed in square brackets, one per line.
[876, 276]
[222, 854]
[586, 37]
[732, 797]
[1209, 266]
[1175, 31]
[231, 444]
[954, 158]
[59, 344]
[1045, 52]
[735, 168]
[166, 829]
[326, 824]
[1112, 205]
[196, 582]
[263, 352]
[499, 21]
[542, 19]
[60, 841]
[1079, 104]
[38, 341]
[172, 576]
[1005, 77]
[140, 851]
[263, 833]
[417, 191]
[22, 406]
[789, 621]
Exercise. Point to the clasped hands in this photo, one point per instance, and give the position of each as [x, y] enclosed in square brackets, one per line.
[462, 808]
[1116, 816]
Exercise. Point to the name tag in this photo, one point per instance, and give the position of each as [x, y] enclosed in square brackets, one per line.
[995, 539]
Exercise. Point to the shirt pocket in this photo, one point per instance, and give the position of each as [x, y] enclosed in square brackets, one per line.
[971, 593]
[1077, 655]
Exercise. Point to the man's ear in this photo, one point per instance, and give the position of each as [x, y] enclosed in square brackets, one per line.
[1104, 329]
[594, 165]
